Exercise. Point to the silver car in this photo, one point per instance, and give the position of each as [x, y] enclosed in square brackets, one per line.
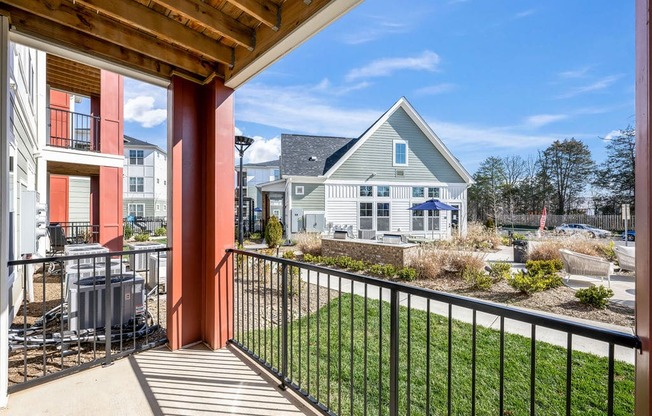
[582, 229]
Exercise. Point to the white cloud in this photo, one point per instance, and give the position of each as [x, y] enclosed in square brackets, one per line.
[540, 120]
[238, 132]
[378, 27]
[598, 85]
[142, 111]
[301, 108]
[327, 87]
[574, 73]
[263, 150]
[611, 135]
[427, 61]
[523, 14]
[436, 89]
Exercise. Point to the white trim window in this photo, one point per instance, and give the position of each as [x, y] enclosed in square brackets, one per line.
[165, 207]
[136, 157]
[299, 190]
[136, 210]
[433, 220]
[158, 207]
[366, 191]
[417, 192]
[382, 216]
[136, 184]
[366, 216]
[433, 192]
[417, 219]
[382, 191]
[400, 152]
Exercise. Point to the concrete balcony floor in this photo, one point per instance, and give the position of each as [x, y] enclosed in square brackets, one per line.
[192, 381]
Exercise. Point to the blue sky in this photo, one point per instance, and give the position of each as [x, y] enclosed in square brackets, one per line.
[490, 77]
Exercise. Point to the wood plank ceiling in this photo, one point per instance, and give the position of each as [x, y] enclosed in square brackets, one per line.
[197, 39]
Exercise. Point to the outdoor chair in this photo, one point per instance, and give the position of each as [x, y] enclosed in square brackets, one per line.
[626, 258]
[58, 238]
[585, 265]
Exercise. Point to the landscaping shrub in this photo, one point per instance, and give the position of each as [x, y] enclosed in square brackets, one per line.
[308, 243]
[460, 261]
[547, 250]
[429, 262]
[128, 232]
[273, 233]
[309, 258]
[499, 271]
[539, 275]
[289, 255]
[596, 296]
[385, 270]
[477, 237]
[490, 223]
[142, 237]
[255, 237]
[407, 273]
[160, 231]
[477, 279]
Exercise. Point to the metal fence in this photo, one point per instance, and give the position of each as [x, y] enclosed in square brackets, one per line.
[73, 130]
[72, 317]
[144, 225]
[80, 231]
[351, 344]
[606, 222]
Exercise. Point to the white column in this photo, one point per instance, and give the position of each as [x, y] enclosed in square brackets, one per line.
[4, 206]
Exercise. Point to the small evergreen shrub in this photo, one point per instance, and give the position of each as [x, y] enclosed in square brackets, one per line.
[544, 266]
[490, 223]
[255, 237]
[142, 237]
[128, 232]
[289, 255]
[540, 275]
[407, 273]
[499, 271]
[477, 279]
[385, 270]
[160, 231]
[596, 296]
[273, 233]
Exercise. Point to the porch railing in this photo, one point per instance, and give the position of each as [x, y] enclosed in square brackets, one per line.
[73, 130]
[80, 231]
[144, 225]
[71, 317]
[352, 344]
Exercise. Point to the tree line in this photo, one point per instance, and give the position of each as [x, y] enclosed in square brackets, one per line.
[563, 177]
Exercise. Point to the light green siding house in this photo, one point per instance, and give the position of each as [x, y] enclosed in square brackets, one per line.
[366, 185]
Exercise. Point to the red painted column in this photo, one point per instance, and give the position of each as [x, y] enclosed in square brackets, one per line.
[109, 209]
[643, 205]
[201, 222]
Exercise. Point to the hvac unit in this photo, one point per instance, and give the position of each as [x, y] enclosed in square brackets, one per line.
[367, 234]
[84, 249]
[75, 272]
[88, 299]
[157, 270]
[138, 262]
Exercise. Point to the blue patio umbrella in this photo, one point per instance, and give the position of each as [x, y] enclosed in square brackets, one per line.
[258, 209]
[431, 205]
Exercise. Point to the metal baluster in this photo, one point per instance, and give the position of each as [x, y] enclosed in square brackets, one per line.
[428, 358]
[450, 359]
[473, 358]
[366, 330]
[393, 353]
[502, 366]
[318, 319]
[409, 355]
[533, 366]
[339, 347]
[351, 351]
[569, 370]
[610, 381]
[284, 326]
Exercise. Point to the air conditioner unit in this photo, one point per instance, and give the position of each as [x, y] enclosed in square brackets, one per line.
[87, 301]
[138, 262]
[75, 272]
[367, 234]
[83, 249]
[157, 270]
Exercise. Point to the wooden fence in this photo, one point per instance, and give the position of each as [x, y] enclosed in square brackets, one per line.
[606, 222]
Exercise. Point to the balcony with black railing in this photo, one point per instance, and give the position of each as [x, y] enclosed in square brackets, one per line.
[72, 130]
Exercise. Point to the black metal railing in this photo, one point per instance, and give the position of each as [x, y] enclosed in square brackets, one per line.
[144, 225]
[79, 232]
[73, 130]
[71, 317]
[352, 344]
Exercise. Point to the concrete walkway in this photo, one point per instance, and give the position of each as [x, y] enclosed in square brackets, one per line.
[193, 381]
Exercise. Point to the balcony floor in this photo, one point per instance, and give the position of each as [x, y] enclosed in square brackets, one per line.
[193, 381]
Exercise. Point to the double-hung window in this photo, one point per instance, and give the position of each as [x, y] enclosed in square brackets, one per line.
[433, 192]
[400, 153]
[417, 219]
[136, 157]
[417, 192]
[433, 220]
[382, 216]
[136, 184]
[136, 210]
[366, 215]
[382, 191]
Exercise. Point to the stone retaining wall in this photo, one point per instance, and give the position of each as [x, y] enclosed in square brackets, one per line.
[399, 255]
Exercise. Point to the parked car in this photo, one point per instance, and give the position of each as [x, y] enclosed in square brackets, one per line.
[582, 229]
[631, 235]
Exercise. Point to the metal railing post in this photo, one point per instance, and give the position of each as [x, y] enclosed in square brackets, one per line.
[393, 353]
[108, 305]
[284, 324]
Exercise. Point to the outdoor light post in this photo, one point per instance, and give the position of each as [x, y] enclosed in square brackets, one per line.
[242, 143]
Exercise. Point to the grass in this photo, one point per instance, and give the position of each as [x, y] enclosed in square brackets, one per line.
[370, 385]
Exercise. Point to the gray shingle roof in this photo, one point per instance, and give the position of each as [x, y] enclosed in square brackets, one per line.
[269, 163]
[134, 142]
[298, 152]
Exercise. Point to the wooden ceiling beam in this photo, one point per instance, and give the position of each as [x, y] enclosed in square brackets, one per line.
[47, 30]
[266, 12]
[142, 17]
[215, 19]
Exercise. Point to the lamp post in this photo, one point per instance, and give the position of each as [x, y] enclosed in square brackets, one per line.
[242, 143]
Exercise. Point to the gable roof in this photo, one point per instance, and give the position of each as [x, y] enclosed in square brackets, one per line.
[134, 142]
[297, 152]
[420, 123]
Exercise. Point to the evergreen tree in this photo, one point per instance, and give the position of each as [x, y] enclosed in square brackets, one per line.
[615, 176]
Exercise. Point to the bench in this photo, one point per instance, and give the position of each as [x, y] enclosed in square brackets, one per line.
[626, 257]
[585, 265]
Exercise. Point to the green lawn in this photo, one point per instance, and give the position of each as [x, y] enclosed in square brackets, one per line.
[589, 380]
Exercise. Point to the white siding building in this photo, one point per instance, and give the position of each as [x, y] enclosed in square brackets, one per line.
[145, 179]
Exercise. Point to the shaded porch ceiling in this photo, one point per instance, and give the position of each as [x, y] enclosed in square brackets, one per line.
[196, 39]
[70, 76]
[73, 169]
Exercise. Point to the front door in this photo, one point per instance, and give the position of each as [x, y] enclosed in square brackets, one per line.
[59, 189]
